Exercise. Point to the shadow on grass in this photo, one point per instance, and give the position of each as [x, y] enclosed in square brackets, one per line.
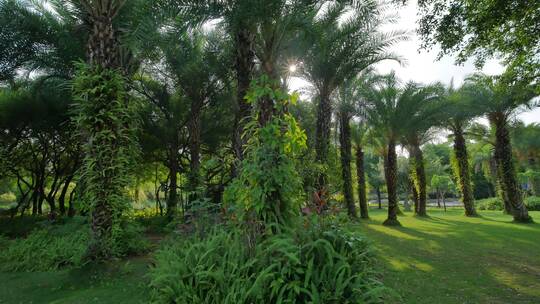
[450, 258]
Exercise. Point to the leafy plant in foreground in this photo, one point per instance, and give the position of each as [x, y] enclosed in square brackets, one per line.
[304, 265]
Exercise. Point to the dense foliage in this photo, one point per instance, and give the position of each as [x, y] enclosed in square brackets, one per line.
[179, 115]
[307, 265]
[62, 245]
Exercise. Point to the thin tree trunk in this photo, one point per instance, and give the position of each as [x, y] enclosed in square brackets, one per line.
[62, 198]
[361, 180]
[390, 173]
[71, 206]
[420, 182]
[503, 152]
[414, 196]
[345, 153]
[443, 194]
[379, 200]
[463, 174]
[245, 62]
[172, 199]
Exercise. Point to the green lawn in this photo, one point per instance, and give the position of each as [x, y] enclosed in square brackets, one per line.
[122, 282]
[446, 258]
[449, 258]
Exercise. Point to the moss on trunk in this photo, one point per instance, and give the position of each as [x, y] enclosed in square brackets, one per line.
[462, 171]
[390, 174]
[345, 153]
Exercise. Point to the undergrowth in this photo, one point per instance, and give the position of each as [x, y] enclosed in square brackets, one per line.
[61, 244]
[495, 203]
[304, 265]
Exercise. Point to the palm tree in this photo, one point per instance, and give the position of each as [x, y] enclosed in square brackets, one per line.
[425, 106]
[390, 111]
[501, 102]
[458, 114]
[259, 30]
[359, 131]
[341, 42]
[349, 103]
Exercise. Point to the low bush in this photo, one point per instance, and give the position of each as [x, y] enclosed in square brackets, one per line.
[492, 203]
[495, 203]
[18, 226]
[301, 266]
[46, 248]
[533, 203]
[51, 246]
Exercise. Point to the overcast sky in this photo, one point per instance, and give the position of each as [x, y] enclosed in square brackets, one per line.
[422, 66]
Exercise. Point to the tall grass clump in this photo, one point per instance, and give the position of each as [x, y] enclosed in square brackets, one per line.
[313, 265]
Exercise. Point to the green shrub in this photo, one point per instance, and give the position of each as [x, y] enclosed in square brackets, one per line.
[495, 203]
[18, 226]
[7, 200]
[492, 203]
[533, 203]
[302, 266]
[48, 248]
[51, 246]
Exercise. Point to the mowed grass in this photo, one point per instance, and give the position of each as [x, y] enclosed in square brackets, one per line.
[446, 258]
[116, 282]
[449, 258]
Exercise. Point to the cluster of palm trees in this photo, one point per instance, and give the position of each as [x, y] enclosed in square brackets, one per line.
[392, 114]
[208, 47]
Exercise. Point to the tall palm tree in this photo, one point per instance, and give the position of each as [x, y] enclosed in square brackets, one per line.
[345, 113]
[457, 117]
[389, 111]
[501, 102]
[349, 105]
[105, 159]
[259, 30]
[425, 104]
[342, 41]
[359, 132]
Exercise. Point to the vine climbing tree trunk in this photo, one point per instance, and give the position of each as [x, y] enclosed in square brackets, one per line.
[245, 63]
[361, 180]
[106, 124]
[503, 153]
[322, 137]
[345, 153]
[194, 129]
[463, 173]
[390, 174]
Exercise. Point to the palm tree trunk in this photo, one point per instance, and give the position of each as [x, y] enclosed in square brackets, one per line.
[420, 182]
[245, 63]
[345, 152]
[361, 179]
[503, 152]
[501, 186]
[463, 174]
[103, 54]
[194, 130]
[322, 134]
[390, 174]
[414, 196]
